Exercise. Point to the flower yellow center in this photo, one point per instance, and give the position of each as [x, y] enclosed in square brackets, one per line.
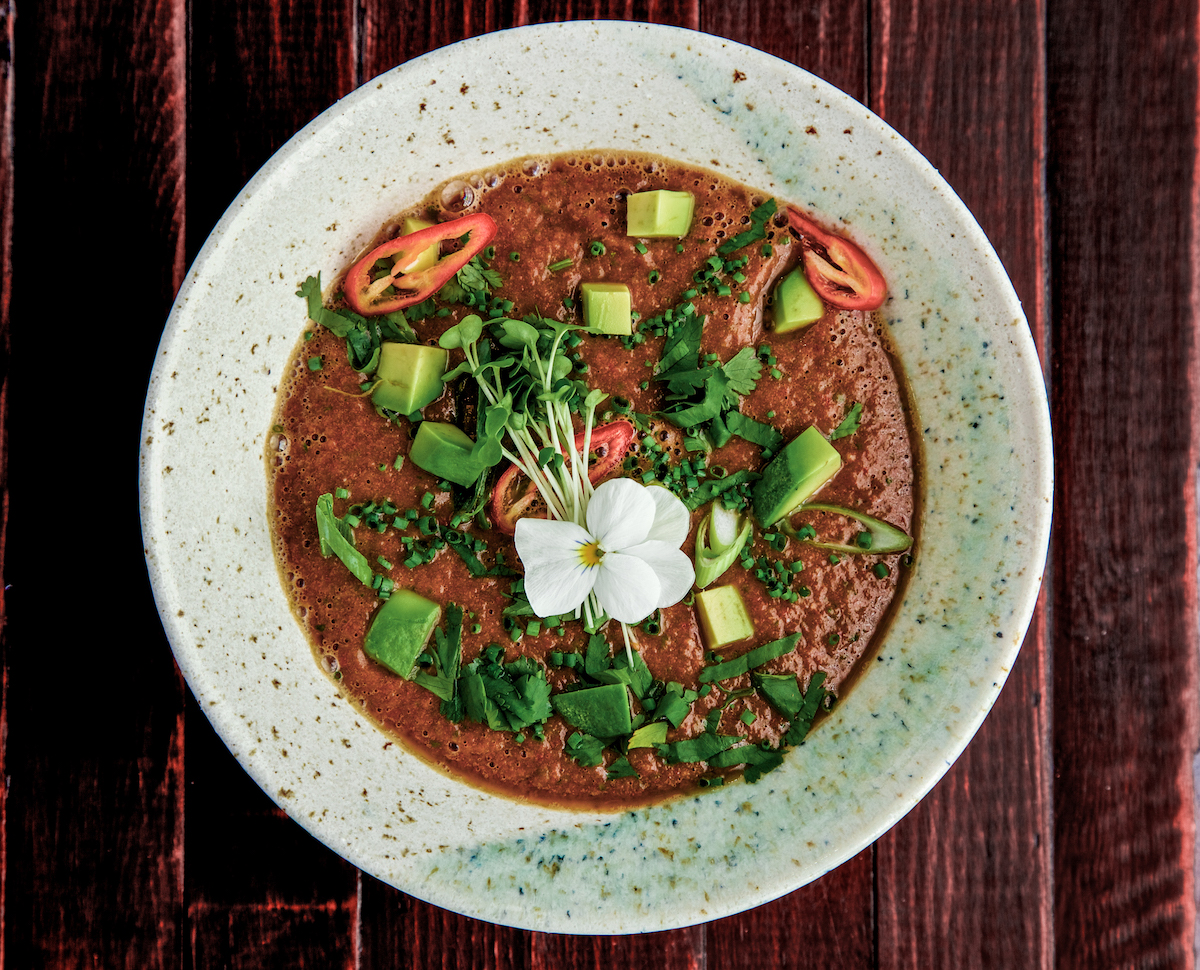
[590, 554]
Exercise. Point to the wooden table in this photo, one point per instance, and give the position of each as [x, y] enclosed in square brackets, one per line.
[1063, 837]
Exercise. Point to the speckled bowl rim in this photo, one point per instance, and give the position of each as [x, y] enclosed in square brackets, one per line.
[983, 426]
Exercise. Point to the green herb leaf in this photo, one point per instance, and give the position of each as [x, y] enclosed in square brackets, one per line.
[849, 424]
[621, 768]
[760, 434]
[758, 229]
[337, 538]
[748, 661]
[814, 698]
[700, 748]
[743, 371]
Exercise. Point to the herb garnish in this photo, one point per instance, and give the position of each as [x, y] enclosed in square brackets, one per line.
[849, 424]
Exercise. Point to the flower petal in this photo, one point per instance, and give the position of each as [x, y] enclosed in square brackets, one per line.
[626, 587]
[671, 566]
[556, 579]
[620, 513]
[672, 520]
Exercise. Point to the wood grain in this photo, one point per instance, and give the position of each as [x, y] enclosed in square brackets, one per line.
[1122, 183]
[1063, 837]
[7, 107]
[964, 83]
[93, 740]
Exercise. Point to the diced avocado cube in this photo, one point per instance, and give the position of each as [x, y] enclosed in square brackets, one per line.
[426, 257]
[796, 303]
[602, 712]
[723, 617]
[400, 631]
[659, 214]
[606, 307]
[410, 376]
[445, 451]
[806, 463]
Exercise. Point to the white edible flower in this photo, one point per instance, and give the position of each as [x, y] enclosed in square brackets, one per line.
[628, 557]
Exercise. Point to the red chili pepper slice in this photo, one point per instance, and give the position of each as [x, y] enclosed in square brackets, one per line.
[840, 272]
[516, 497]
[367, 295]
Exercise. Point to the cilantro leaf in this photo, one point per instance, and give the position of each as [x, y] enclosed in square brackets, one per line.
[743, 371]
[682, 345]
[700, 748]
[621, 768]
[710, 407]
[758, 229]
[585, 749]
[756, 432]
[748, 661]
[849, 424]
[758, 761]
[813, 699]
[337, 539]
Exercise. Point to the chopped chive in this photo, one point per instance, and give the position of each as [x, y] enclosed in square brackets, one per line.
[881, 570]
[743, 297]
[515, 257]
[654, 276]
[561, 264]
[597, 248]
[641, 248]
[314, 363]
[342, 493]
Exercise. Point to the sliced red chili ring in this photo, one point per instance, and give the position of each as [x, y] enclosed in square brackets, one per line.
[396, 289]
[516, 497]
[841, 273]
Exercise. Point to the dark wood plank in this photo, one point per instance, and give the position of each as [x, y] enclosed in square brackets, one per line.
[259, 891]
[1122, 186]
[7, 106]
[259, 73]
[965, 879]
[672, 950]
[824, 37]
[828, 923]
[92, 758]
[252, 874]
[400, 931]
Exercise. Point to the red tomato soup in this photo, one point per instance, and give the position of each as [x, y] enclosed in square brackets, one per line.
[758, 327]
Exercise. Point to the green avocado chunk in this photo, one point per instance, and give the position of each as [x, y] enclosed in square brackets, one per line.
[659, 214]
[410, 376]
[400, 631]
[602, 712]
[806, 463]
[606, 307]
[723, 616]
[445, 451]
[796, 303]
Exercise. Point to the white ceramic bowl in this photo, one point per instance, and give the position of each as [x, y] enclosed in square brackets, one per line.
[984, 440]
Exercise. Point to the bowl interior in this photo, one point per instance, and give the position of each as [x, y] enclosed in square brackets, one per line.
[981, 421]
